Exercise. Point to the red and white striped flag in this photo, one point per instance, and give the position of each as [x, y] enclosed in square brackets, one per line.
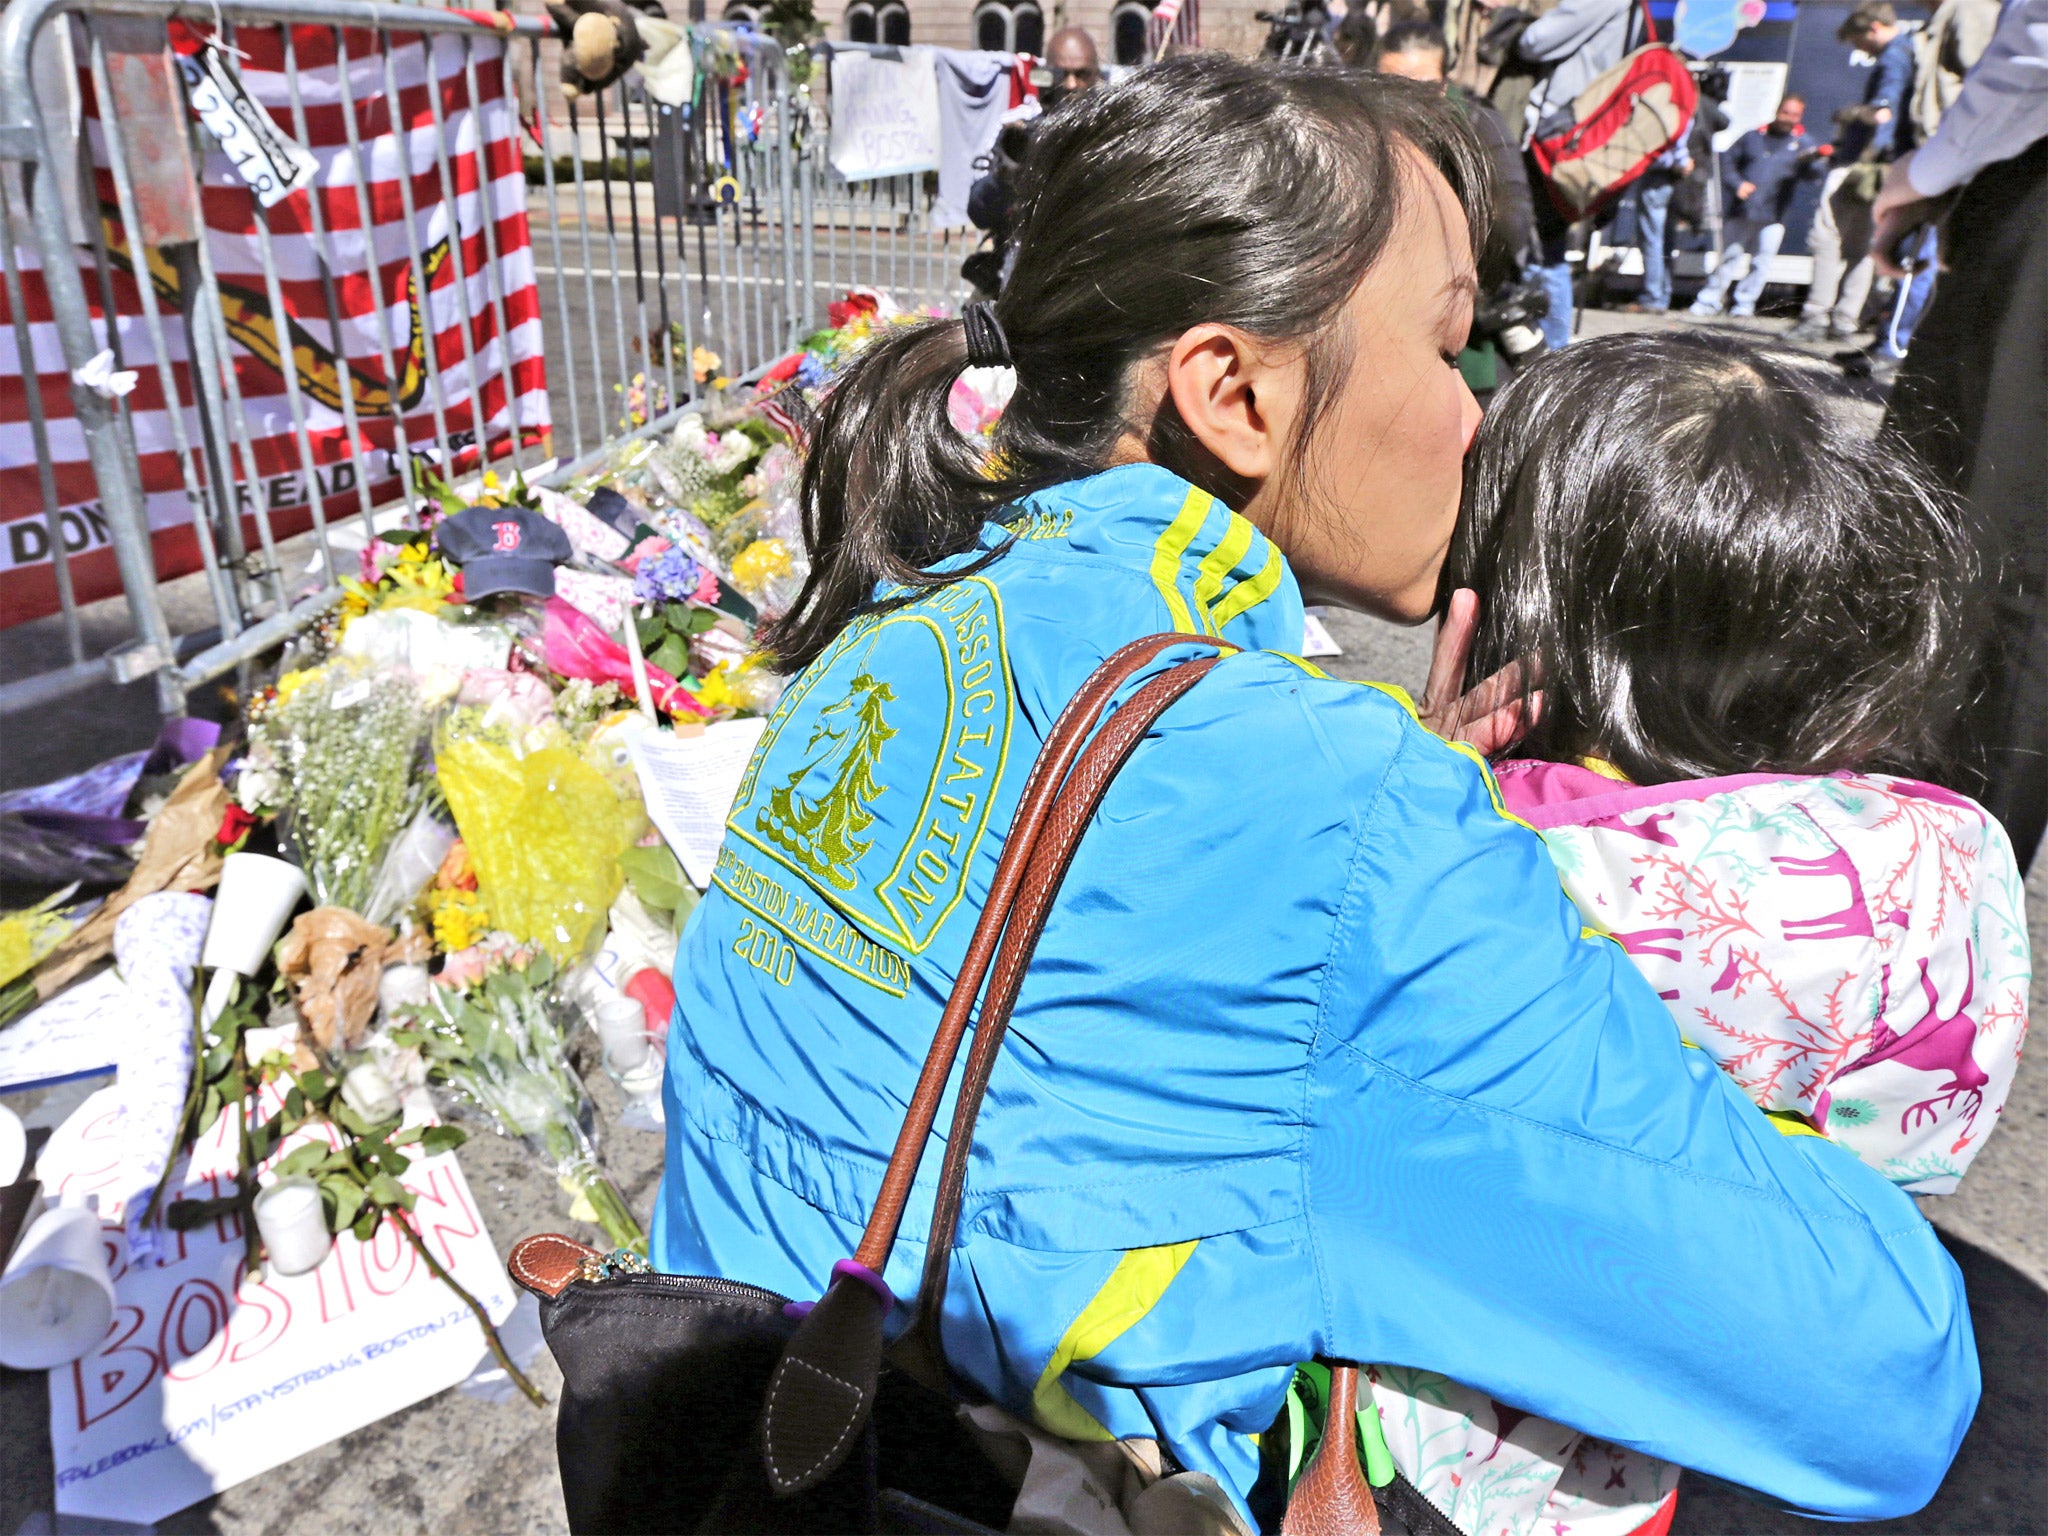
[1175, 21]
[370, 269]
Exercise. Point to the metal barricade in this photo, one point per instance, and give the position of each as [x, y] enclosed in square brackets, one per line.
[668, 248]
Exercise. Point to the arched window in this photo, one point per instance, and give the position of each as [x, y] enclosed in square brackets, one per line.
[1127, 33]
[747, 13]
[860, 24]
[992, 28]
[895, 22]
[1027, 33]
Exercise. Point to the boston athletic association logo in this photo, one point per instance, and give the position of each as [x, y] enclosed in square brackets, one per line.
[824, 835]
[857, 822]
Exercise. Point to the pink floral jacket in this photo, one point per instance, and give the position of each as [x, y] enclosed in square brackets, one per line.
[1852, 950]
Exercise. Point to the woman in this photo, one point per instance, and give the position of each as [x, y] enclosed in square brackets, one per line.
[1314, 1058]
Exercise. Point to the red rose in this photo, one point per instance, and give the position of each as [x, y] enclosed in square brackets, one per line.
[235, 824]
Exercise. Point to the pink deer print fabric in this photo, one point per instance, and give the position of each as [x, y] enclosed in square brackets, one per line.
[1851, 949]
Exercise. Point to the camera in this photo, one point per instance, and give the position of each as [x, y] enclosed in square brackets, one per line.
[1508, 318]
[1297, 33]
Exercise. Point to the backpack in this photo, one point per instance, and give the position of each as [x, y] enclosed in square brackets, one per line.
[1614, 129]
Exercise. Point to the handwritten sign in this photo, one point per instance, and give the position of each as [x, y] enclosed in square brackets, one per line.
[270, 161]
[208, 1377]
[77, 1033]
[885, 114]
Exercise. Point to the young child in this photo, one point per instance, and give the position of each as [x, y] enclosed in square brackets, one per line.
[1744, 618]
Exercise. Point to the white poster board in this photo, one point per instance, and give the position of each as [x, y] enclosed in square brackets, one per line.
[885, 114]
[208, 1378]
[1754, 91]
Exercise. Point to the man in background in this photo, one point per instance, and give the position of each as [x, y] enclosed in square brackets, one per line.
[1759, 175]
[1075, 67]
[1415, 50]
[1869, 134]
[1070, 54]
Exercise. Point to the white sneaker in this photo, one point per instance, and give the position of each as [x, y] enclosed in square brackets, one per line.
[1704, 309]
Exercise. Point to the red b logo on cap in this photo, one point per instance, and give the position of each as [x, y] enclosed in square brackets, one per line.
[508, 538]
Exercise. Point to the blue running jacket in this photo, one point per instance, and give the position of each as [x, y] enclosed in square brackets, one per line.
[1315, 1058]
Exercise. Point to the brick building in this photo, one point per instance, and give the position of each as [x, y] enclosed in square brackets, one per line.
[1022, 26]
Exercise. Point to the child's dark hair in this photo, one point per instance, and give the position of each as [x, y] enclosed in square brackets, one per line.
[1708, 567]
[1201, 189]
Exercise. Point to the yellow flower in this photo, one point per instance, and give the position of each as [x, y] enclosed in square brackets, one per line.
[715, 691]
[760, 563]
[459, 919]
[30, 934]
[292, 682]
[423, 584]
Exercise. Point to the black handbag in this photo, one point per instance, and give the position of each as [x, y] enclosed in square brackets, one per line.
[693, 1403]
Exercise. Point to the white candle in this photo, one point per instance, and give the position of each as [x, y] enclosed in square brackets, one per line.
[368, 1092]
[294, 1225]
[622, 1030]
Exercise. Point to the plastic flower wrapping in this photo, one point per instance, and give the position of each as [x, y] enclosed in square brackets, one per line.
[335, 753]
[457, 782]
[494, 1029]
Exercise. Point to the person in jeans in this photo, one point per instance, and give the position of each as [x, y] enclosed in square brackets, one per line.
[1653, 211]
[1973, 395]
[1759, 176]
[1870, 134]
[1577, 40]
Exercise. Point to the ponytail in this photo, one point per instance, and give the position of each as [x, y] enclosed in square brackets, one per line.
[1201, 189]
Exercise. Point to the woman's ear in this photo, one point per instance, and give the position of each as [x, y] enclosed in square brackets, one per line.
[1236, 398]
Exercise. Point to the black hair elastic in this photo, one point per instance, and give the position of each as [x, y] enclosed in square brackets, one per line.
[987, 346]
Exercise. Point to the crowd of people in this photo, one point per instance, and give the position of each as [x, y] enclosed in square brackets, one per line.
[1558, 1053]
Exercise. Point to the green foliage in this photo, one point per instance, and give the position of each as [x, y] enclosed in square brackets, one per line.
[658, 881]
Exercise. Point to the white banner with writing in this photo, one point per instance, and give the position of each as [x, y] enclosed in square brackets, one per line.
[885, 114]
[207, 1377]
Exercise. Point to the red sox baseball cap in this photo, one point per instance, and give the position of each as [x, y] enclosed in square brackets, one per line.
[503, 549]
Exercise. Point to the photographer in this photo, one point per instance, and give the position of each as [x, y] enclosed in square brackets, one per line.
[1071, 66]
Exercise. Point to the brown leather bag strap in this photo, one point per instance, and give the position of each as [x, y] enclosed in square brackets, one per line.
[1332, 1497]
[1069, 818]
[1062, 744]
[823, 1389]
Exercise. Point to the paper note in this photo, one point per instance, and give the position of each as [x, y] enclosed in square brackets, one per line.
[208, 1377]
[77, 1033]
[273, 163]
[1316, 639]
[690, 783]
[885, 114]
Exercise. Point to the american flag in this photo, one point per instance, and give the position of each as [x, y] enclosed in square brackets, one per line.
[1178, 22]
[369, 269]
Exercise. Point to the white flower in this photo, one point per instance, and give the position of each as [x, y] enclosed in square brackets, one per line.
[730, 450]
[691, 437]
[260, 788]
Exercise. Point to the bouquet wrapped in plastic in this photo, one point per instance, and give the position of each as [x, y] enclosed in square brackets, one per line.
[493, 1030]
[337, 752]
